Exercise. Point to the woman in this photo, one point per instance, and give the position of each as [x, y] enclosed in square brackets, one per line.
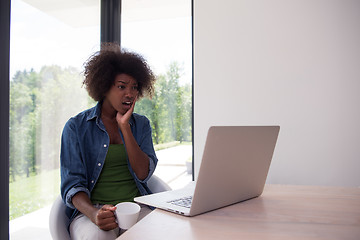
[107, 154]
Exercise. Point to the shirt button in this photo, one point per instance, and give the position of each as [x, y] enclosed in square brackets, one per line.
[105, 145]
[92, 181]
[99, 164]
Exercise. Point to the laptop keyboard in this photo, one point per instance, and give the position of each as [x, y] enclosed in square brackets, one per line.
[182, 202]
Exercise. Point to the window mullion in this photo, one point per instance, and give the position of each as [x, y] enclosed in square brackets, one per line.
[110, 26]
[4, 117]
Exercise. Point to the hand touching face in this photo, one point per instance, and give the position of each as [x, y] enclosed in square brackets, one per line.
[123, 119]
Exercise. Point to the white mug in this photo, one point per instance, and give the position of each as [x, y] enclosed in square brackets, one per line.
[127, 214]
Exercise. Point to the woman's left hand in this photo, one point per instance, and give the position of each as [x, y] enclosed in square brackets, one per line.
[123, 119]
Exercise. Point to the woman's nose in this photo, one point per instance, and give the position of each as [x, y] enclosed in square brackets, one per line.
[130, 93]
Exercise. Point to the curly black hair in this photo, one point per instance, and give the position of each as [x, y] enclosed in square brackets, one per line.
[103, 66]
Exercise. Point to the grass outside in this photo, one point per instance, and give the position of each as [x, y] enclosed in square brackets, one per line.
[161, 146]
[29, 194]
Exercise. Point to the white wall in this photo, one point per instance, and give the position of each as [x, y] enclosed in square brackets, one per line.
[294, 63]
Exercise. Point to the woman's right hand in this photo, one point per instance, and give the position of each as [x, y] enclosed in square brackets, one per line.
[105, 218]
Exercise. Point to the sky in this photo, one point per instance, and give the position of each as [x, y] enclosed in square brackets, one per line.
[38, 39]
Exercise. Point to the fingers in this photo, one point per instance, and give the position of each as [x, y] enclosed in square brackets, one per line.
[123, 119]
[105, 218]
[127, 115]
[107, 224]
[131, 110]
[133, 105]
[108, 207]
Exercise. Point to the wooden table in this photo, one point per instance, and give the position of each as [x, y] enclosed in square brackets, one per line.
[281, 212]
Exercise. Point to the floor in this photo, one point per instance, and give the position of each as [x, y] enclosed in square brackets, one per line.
[171, 168]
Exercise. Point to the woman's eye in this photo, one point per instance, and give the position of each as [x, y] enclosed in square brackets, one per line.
[123, 87]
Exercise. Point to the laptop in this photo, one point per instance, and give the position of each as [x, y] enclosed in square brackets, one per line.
[234, 167]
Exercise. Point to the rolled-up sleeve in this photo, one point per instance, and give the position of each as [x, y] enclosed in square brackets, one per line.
[73, 171]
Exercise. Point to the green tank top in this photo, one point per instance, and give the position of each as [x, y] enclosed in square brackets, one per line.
[115, 183]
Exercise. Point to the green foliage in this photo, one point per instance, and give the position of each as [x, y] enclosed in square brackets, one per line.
[40, 104]
[23, 98]
[170, 108]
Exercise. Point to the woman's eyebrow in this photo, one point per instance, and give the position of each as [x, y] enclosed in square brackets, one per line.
[134, 84]
[120, 81]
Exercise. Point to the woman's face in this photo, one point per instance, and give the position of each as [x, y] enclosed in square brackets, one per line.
[123, 93]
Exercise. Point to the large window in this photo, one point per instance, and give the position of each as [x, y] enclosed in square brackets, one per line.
[48, 47]
[49, 44]
[161, 31]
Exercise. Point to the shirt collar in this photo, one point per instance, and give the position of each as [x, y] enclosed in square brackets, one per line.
[95, 112]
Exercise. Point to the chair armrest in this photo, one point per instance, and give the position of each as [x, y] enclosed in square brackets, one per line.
[156, 184]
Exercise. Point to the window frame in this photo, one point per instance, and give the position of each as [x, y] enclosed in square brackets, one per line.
[4, 116]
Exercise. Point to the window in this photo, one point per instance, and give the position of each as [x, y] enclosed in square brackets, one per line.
[49, 44]
[161, 32]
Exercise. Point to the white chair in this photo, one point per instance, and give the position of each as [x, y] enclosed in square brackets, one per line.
[58, 219]
[157, 185]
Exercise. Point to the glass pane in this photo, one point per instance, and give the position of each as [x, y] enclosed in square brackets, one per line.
[49, 43]
[161, 32]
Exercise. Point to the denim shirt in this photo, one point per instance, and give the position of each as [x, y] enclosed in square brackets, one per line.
[84, 145]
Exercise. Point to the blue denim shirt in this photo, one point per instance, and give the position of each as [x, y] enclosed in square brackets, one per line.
[84, 145]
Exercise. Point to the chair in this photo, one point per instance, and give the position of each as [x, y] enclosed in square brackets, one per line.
[58, 219]
[157, 185]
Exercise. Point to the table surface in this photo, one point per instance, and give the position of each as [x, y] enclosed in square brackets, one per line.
[281, 212]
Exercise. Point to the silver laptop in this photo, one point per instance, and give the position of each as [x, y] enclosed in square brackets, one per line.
[234, 168]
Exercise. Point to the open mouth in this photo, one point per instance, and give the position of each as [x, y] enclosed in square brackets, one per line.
[128, 103]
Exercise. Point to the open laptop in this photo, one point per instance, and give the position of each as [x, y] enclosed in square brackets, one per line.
[234, 168]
